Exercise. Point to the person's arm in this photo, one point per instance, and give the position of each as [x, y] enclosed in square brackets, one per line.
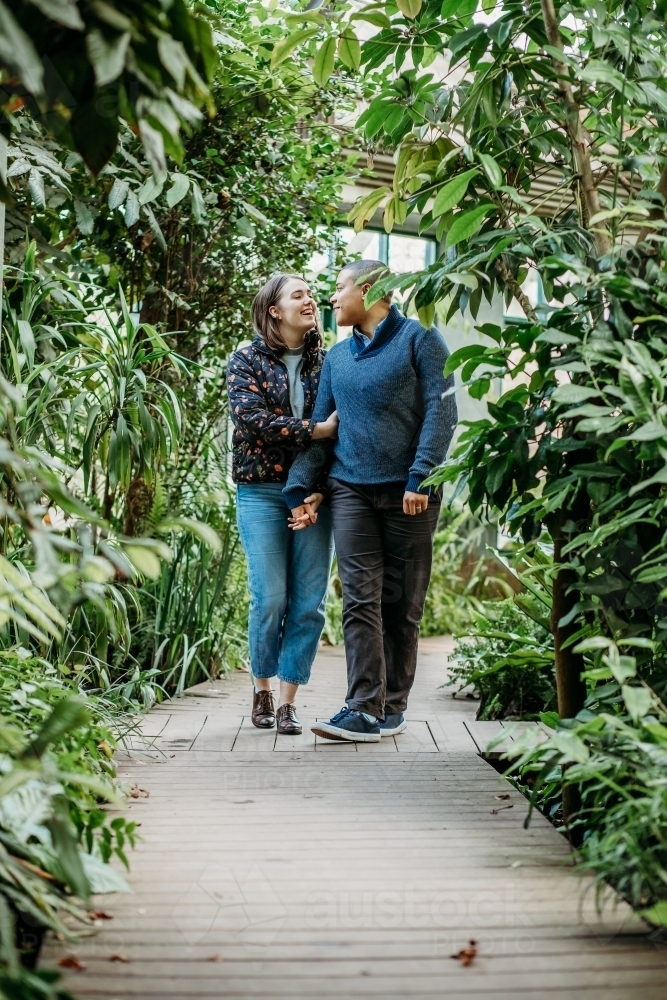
[308, 466]
[440, 413]
[255, 421]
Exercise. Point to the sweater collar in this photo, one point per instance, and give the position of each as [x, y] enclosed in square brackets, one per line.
[384, 332]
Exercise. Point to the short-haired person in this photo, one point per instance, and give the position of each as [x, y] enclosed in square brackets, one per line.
[272, 386]
[386, 384]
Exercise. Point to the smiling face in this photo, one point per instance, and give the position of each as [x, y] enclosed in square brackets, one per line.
[348, 300]
[294, 309]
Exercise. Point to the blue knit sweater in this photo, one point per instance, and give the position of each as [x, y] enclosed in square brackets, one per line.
[395, 423]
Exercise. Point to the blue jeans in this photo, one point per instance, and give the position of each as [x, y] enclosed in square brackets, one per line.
[288, 575]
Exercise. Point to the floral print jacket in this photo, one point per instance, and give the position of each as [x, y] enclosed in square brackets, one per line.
[266, 435]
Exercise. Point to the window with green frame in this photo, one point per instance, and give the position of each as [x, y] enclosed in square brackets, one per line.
[400, 251]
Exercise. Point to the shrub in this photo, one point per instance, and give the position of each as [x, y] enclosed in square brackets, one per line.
[614, 754]
[508, 659]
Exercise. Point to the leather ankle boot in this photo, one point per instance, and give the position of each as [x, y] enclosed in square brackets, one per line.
[263, 711]
[287, 722]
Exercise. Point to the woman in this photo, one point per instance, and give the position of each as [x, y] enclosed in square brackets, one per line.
[272, 386]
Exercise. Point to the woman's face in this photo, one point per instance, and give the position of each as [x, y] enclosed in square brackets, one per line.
[295, 309]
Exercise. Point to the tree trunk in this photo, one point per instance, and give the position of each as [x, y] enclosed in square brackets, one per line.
[570, 688]
[579, 136]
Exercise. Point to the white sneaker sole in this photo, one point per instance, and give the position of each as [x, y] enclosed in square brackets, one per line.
[394, 732]
[329, 732]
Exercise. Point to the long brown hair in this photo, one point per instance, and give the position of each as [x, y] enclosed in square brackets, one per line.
[266, 325]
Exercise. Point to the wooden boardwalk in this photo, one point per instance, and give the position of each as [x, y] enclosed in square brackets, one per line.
[280, 868]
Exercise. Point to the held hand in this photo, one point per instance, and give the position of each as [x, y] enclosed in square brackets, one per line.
[327, 428]
[305, 515]
[414, 503]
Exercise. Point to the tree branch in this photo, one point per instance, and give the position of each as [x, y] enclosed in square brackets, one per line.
[579, 137]
[510, 282]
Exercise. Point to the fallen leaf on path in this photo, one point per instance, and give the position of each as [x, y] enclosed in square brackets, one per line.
[505, 795]
[494, 812]
[119, 958]
[138, 793]
[99, 915]
[216, 958]
[466, 955]
[71, 962]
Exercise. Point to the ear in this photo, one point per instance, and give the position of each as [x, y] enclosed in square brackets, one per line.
[365, 288]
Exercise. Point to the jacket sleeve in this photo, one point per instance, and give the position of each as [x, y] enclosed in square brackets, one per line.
[440, 413]
[249, 412]
[308, 471]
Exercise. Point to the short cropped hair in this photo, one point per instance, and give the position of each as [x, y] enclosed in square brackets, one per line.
[370, 270]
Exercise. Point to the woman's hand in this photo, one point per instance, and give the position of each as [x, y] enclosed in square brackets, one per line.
[305, 515]
[327, 428]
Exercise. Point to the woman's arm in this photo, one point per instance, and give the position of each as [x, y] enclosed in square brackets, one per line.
[308, 467]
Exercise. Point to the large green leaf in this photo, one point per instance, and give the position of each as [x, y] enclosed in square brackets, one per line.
[69, 714]
[451, 194]
[18, 50]
[66, 848]
[638, 701]
[324, 61]
[283, 49]
[570, 393]
[409, 8]
[466, 224]
[492, 169]
[95, 135]
[349, 49]
[179, 188]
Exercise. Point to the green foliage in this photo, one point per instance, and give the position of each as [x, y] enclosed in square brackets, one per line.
[465, 576]
[121, 577]
[55, 756]
[82, 68]
[589, 446]
[614, 753]
[508, 659]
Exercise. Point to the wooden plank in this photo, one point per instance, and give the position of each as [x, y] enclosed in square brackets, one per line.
[527, 734]
[483, 732]
[216, 981]
[218, 733]
[332, 746]
[353, 871]
[181, 731]
[145, 731]
[417, 738]
[254, 740]
[451, 735]
[305, 743]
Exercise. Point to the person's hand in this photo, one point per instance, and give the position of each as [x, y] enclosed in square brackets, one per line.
[306, 514]
[326, 428]
[414, 503]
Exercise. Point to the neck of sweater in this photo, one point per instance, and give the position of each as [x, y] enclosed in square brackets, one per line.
[384, 332]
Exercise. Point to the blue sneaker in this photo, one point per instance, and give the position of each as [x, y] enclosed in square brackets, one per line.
[348, 725]
[393, 724]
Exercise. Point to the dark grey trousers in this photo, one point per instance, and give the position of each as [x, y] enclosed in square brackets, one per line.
[384, 561]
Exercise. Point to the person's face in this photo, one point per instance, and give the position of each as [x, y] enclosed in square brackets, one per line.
[348, 300]
[295, 309]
